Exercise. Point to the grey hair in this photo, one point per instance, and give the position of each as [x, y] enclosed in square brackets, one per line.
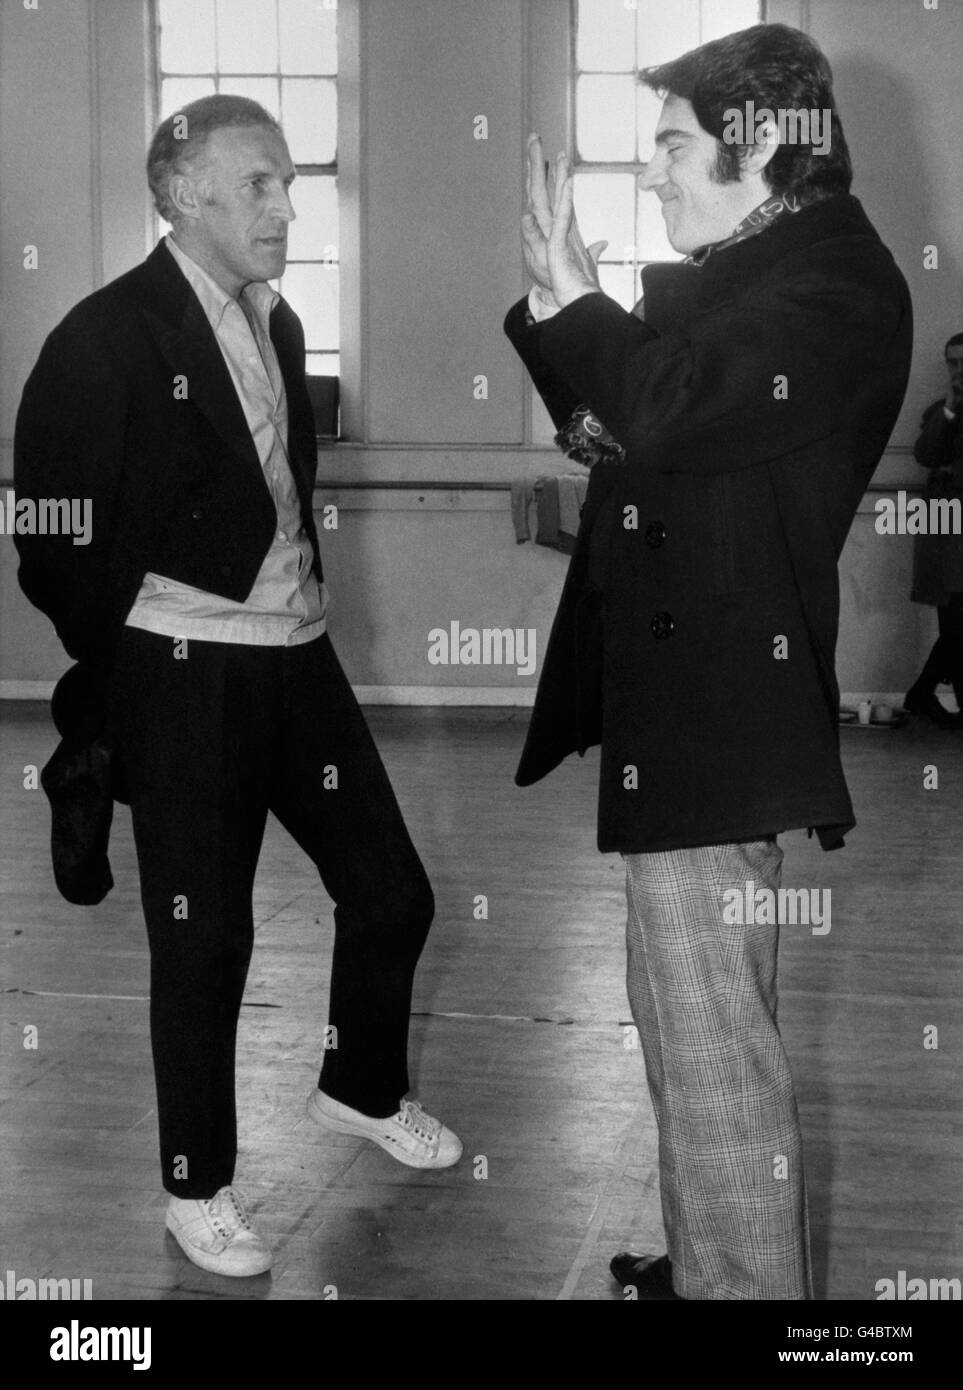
[181, 137]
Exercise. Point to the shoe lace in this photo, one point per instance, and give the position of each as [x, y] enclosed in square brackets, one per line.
[418, 1121]
[226, 1202]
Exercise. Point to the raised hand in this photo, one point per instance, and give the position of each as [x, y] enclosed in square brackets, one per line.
[555, 255]
[572, 267]
[537, 221]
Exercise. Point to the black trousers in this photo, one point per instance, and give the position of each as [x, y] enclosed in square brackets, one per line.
[945, 661]
[210, 743]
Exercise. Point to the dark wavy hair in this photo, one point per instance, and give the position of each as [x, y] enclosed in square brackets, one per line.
[773, 66]
[955, 341]
[170, 154]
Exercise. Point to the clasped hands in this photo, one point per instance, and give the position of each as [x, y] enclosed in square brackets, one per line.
[557, 259]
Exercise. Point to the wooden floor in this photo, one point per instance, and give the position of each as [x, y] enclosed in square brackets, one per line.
[517, 1042]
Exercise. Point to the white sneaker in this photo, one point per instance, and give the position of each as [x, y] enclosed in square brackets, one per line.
[411, 1136]
[216, 1233]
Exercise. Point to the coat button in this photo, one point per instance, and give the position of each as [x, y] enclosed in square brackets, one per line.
[654, 534]
[197, 514]
[662, 626]
[227, 569]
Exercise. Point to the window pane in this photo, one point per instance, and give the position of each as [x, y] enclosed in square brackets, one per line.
[260, 89]
[236, 47]
[605, 208]
[605, 118]
[621, 282]
[178, 91]
[247, 36]
[666, 31]
[312, 292]
[651, 239]
[323, 363]
[721, 17]
[648, 109]
[309, 111]
[186, 35]
[606, 36]
[313, 235]
[309, 36]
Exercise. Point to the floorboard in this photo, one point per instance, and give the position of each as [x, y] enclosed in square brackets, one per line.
[519, 1042]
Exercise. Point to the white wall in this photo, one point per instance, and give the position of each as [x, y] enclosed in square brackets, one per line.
[431, 262]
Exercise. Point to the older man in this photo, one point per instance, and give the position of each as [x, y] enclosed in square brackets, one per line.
[175, 400]
[734, 422]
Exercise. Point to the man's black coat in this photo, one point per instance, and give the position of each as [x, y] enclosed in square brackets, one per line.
[131, 405]
[696, 633]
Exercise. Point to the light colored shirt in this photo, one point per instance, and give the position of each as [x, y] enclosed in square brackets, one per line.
[541, 304]
[287, 606]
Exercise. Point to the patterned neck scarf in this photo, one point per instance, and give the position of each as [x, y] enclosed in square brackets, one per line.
[768, 212]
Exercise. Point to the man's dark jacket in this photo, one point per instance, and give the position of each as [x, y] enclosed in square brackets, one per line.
[938, 559]
[696, 632]
[131, 405]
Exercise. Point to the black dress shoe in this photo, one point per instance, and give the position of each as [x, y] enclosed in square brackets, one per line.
[649, 1275]
[927, 704]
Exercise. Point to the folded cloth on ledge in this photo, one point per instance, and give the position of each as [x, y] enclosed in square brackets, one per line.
[546, 493]
[572, 488]
[547, 509]
[524, 509]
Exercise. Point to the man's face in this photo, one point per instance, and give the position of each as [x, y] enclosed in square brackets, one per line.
[696, 209]
[240, 232]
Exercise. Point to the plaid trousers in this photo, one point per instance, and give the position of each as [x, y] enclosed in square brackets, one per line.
[703, 996]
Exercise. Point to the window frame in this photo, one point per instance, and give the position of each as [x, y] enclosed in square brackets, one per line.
[627, 167]
[345, 167]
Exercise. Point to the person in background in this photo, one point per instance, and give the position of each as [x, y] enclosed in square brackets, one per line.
[938, 559]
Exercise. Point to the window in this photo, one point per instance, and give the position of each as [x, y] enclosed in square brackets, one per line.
[283, 54]
[615, 120]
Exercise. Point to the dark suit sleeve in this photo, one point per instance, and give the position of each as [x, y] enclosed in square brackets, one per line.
[68, 444]
[713, 400]
[560, 400]
[934, 448]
